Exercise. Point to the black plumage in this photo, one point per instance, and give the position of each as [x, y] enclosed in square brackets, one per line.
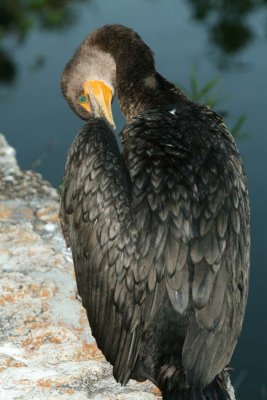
[160, 234]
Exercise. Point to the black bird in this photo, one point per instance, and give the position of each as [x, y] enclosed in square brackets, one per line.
[160, 234]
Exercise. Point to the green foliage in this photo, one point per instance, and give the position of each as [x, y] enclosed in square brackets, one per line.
[228, 22]
[19, 17]
[236, 128]
[205, 94]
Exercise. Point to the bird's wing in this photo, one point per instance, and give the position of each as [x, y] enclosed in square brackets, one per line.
[194, 217]
[219, 253]
[163, 205]
[115, 286]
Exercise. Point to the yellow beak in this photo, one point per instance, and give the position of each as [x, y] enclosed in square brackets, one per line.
[102, 93]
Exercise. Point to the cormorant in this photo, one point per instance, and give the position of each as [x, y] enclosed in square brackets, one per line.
[160, 234]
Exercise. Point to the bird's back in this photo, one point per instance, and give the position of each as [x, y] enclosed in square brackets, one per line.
[190, 201]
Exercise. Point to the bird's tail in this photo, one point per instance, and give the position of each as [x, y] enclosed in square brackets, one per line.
[217, 390]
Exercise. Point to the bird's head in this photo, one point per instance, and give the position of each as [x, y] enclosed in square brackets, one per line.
[88, 82]
[112, 59]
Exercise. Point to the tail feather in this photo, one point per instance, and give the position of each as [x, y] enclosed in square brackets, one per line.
[217, 390]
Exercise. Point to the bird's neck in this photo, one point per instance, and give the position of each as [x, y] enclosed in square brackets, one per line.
[150, 92]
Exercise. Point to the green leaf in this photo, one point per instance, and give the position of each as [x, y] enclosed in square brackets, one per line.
[238, 125]
[208, 87]
[194, 85]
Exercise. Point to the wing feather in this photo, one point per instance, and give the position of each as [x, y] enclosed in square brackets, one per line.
[89, 216]
[220, 258]
[197, 208]
[116, 284]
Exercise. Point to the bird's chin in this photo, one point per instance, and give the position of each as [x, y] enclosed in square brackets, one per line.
[89, 116]
[86, 117]
[84, 114]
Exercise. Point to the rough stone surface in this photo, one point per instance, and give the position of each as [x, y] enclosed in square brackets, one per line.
[46, 347]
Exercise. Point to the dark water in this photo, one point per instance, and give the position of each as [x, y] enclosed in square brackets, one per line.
[227, 39]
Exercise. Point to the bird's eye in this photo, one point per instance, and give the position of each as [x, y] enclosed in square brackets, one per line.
[82, 99]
